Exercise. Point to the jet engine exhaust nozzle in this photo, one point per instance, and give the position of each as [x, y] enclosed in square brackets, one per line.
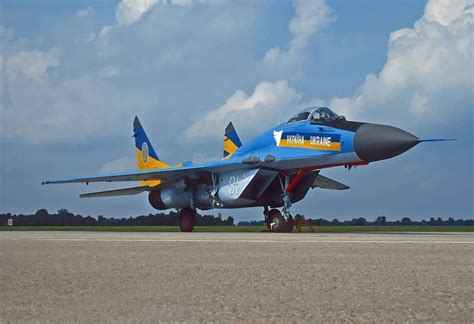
[375, 142]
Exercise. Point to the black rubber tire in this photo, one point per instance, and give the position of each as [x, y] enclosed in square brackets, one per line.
[187, 219]
[277, 222]
[289, 224]
[269, 226]
[268, 221]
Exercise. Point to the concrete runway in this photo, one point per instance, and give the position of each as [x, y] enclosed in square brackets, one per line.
[237, 277]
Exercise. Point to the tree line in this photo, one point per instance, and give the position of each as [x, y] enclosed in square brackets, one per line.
[379, 221]
[65, 218]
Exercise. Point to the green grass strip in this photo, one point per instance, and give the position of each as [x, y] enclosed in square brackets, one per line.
[240, 229]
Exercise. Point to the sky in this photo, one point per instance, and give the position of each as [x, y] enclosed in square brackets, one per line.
[75, 74]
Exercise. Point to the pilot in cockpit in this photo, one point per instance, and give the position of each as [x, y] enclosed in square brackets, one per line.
[315, 115]
[323, 115]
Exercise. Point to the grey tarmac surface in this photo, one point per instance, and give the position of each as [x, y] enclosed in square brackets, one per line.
[235, 277]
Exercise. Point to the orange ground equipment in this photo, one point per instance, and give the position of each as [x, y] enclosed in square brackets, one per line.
[298, 223]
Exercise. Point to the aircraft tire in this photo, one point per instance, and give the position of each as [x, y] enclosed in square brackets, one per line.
[268, 221]
[187, 219]
[277, 222]
[289, 224]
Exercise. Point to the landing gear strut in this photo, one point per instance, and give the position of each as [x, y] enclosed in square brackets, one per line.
[187, 219]
[286, 197]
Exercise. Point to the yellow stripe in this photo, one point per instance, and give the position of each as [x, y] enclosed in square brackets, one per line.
[151, 164]
[334, 146]
[229, 146]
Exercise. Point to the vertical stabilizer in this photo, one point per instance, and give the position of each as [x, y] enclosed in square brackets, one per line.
[147, 159]
[231, 140]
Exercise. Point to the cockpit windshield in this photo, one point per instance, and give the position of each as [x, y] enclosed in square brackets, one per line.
[302, 115]
[314, 114]
[323, 114]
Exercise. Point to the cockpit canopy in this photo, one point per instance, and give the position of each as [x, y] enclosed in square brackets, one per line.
[314, 114]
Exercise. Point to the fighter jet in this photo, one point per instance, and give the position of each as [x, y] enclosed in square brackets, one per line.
[274, 170]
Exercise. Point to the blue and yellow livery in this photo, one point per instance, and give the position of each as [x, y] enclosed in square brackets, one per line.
[312, 141]
[231, 141]
[147, 159]
[275, 169]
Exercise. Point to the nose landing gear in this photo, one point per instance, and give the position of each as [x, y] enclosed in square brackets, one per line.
[275, 220]
[277, 223]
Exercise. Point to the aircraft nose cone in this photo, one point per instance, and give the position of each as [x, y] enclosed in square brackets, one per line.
[374, 142]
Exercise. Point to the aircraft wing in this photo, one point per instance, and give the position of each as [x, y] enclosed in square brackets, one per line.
[116, 192]
[158, 174]
[193, 171]
[326, 183]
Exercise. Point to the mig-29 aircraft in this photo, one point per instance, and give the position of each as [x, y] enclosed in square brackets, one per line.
[275, 169]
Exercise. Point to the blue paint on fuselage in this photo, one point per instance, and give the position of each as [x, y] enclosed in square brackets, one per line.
[265, 144]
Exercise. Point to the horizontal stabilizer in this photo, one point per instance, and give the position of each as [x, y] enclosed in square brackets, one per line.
[116, 192]
[326, 183]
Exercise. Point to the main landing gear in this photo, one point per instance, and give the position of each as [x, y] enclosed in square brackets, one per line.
[187, 219]
[276, 222]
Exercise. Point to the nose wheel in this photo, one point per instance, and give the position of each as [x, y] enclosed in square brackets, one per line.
[277, 223]
[187, 219]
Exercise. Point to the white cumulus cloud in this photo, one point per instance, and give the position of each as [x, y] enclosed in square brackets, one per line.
[310, 17]
[429, 70]
[250, 113]
[31, 65]
[130, 11]
[40, 108]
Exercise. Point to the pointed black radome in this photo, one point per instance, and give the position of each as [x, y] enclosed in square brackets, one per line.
[375, 142]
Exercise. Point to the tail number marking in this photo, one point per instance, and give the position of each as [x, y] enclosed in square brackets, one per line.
[234, 186]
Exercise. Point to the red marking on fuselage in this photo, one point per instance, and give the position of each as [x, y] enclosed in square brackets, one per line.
[301, 172]
[295, 180]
